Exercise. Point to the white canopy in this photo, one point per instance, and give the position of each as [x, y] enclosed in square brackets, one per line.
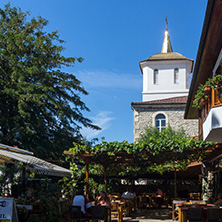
[12, 154]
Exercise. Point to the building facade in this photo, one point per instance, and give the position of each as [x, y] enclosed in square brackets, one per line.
[166, 81]
[208, 66]
[208, 72]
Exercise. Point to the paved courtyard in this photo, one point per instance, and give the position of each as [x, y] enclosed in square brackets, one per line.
[148, 215]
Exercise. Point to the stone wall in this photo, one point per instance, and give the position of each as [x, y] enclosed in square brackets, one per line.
[144, 117]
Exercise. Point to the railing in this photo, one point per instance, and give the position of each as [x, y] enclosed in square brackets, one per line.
[214, 100]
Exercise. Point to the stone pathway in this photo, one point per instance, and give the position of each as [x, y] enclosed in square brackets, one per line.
[150, 215]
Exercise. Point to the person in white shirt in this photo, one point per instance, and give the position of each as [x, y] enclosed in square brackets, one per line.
[128, 195]
[80, 200]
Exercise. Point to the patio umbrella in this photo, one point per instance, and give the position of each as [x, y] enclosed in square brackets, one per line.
[16, 155]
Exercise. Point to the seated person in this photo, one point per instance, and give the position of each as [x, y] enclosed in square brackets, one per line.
[128, 194]
[103, 199]
[82, 201]
[159, 197]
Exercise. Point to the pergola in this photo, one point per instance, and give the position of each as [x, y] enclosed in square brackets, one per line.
[142, 159]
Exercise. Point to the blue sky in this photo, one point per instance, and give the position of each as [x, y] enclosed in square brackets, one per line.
[113, 36]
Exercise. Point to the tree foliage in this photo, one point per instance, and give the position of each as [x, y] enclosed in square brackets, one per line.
[41, 108]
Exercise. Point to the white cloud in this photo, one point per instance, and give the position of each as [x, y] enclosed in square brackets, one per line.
[103, 120]
[108, 79]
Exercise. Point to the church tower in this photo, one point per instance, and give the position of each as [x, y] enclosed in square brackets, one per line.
[165, 74]
[166, 81]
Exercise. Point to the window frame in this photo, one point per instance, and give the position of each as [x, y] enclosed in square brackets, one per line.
[176, 76]
[154, 117]
[155, 76]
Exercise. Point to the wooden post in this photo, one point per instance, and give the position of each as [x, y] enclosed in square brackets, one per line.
[87, 180]
[105, 182]
[120, 213]
[180, 215]
[175, 184]
[213, 98]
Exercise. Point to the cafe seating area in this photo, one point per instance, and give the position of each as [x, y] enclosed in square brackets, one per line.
[183, 210]
[195, 210]
[120, 208]
[127, 207]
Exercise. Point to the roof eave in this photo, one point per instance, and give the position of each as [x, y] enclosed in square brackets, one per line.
[156, 105]
[206, 53]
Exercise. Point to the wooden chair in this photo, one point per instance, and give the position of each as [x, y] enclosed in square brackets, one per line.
[76, 214]
[116, 195]
[127, 208]
[114, 208]
[143, 202]
[99, 213]
[165, 200]
[195, 214]
[175, 208]
[117, 210]
[214, 215]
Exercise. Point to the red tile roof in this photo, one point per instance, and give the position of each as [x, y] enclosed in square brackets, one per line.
[181, 99]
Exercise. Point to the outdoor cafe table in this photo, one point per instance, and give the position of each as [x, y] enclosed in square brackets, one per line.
[150, 198]
[119, 212]
[183, 210]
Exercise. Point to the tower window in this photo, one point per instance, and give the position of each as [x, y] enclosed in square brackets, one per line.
[160, 122]
[155, 76]
[176, 76]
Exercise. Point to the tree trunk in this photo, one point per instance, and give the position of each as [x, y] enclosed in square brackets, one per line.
[208, 182]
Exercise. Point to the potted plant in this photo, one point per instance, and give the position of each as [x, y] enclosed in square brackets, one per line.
[200, 97]
[203, 91]
[207, 89]
[215, 82]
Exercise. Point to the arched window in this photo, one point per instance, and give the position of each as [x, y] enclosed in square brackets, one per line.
[155, 76]
[176, 76]
[160, 122]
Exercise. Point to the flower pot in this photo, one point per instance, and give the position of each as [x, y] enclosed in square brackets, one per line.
[203, 102]
[207, 90]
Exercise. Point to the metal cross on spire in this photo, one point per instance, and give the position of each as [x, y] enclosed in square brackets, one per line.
[166, 42]
[166, 23]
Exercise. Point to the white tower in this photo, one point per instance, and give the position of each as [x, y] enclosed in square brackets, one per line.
[166, 80]
[166, 74]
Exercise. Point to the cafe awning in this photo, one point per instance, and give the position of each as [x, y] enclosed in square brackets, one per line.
[14, 155]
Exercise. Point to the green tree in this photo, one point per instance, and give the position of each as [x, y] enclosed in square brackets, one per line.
[41, 108]
[171, 138]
